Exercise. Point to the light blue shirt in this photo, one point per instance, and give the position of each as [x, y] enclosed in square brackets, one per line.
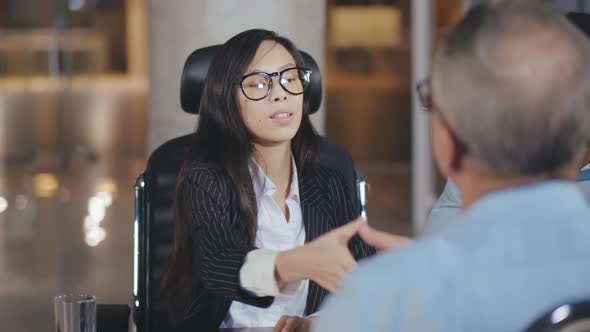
[513, 255]
[447, 207]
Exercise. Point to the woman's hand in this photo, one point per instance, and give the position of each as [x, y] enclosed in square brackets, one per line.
[293, 324]
[324, 260]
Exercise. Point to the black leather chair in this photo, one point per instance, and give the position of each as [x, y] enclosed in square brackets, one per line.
[574, 317]
[154, 190]
[112, 317]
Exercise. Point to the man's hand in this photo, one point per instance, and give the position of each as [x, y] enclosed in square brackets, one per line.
[382, 240]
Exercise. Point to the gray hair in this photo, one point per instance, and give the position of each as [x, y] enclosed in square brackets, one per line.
[513, 81]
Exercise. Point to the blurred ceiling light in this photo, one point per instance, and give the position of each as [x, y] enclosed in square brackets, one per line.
[105, 197]
[75, 5]
[107, 185]
[45, 184]
[89, 224]
[97, 204]
[3, 204]
[95, 236]
[97, 212]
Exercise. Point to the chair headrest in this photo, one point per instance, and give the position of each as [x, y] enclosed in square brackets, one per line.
[581, 21]
[196, 67]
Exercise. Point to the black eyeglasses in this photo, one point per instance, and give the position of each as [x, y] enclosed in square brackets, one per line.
[424, 92]
[258, 85]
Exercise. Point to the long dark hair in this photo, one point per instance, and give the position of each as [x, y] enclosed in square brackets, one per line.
[222, 140]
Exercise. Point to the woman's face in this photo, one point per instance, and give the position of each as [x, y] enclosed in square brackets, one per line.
[276, 118]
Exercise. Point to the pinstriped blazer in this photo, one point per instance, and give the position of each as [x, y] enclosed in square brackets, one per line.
[220, 240]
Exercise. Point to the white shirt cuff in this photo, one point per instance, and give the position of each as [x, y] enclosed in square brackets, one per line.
[315, 314]
[257, 275]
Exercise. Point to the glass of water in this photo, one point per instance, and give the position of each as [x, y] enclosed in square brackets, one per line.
[75, 313]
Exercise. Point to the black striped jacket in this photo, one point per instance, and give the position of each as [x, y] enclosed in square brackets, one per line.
[220, 243]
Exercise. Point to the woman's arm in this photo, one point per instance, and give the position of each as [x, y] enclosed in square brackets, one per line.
[324, 260]
[219, 245]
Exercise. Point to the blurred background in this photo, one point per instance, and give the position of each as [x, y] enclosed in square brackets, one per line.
[88, 88]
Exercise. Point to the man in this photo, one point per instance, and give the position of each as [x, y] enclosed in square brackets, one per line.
[447, 208]
[509, 121]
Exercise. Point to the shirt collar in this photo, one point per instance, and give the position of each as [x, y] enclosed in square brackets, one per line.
[584, 174]
[264, 186]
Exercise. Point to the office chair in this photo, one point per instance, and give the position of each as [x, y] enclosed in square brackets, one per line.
[572, 317]
[154, 190]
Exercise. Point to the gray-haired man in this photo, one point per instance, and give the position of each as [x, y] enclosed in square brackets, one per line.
[448, 205]
[509, 121]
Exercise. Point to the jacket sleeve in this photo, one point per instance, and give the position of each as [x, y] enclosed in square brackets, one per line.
[219, 245]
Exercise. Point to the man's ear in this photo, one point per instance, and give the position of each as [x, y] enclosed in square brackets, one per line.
[448, 150]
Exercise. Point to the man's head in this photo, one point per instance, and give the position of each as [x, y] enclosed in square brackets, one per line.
[511, 93]
[582, 22]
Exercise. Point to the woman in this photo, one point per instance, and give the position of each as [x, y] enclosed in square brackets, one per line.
[262, 231]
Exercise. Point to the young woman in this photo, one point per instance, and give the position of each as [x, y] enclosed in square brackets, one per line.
[263, 230]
